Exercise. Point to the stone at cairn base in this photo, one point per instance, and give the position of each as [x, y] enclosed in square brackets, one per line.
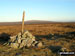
[23, 40]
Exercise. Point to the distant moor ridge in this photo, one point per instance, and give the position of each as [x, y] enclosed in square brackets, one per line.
[31, 22]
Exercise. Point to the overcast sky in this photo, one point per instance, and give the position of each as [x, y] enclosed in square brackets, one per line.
[49, 10]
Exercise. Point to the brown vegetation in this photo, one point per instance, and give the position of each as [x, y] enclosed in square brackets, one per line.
[54, 37]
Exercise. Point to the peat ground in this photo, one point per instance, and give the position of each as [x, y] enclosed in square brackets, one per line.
[54, 37]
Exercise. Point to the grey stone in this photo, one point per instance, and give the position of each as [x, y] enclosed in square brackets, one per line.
[34, 44]
[19, 40]
[16, 40]
[23, 36]
[14, 45]
[39, 44]
[26, 32]
[29, 35]
[22, 44]
[22, 40]
[12, 39]
[33, 38]
[29, 42]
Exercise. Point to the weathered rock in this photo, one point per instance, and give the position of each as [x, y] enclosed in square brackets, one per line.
[29, 42]
[12, 39]
[22, 44]
[34, 43]
[24, 36]
[19, 40]
[39, 44]
[33, 38]
[14, 45]
[22, 40]
[16, 40]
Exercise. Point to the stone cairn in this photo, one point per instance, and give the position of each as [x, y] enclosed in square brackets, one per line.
[23, 39]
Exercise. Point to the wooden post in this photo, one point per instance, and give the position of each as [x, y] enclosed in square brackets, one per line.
[23, 22]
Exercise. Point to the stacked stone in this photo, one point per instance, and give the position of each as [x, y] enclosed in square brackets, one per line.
[23, 40]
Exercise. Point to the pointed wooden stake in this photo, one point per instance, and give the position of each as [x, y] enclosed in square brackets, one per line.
[23, 22]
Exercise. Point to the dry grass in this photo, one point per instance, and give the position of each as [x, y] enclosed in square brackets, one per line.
[54, 37]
